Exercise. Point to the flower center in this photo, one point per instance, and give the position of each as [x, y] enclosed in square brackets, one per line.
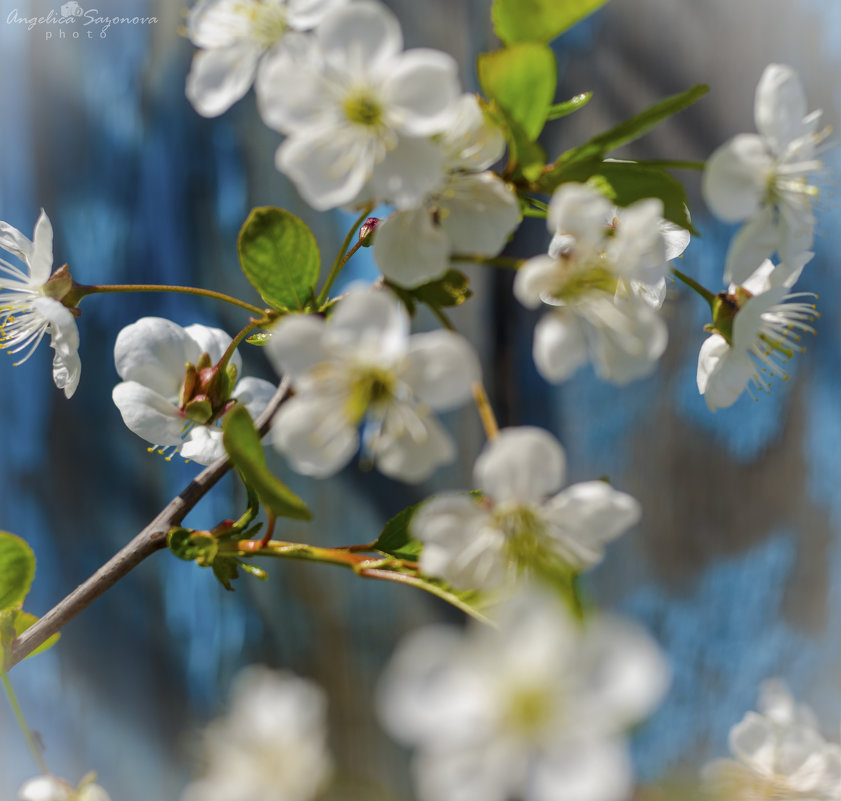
[369, 386]
[578, 277]
[525, 535]
[528, 709]
[267, 19]
[362, 108]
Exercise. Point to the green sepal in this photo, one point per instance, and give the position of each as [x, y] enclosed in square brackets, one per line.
[243, 446]
[538, 20]
[451, 289]
[279, 256]
[259, 338]
[17, 569]
[200, 547]
[522, 80]
[571, 164]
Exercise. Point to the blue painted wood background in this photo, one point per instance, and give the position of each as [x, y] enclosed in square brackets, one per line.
[736, 567]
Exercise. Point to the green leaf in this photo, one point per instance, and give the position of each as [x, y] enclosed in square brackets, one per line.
[17, 569]
[452, 289]
[538, 20]
[566, 108]
[279, 256]
[193, 546]
[242, 443]
[23, 620]
[395, 540]
[579, 159]
[525, 158]
[226, 570]
[259, 338]
[522, 80]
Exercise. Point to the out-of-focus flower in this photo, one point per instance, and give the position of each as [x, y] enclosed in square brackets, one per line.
[272, 744]
[30, 304]
[472, 210]
[534, 709]
[478, 543]
[357, 110]
[361, 367]
[764, 178]
[51, 788]
[779, 755]
[756, 329]
[172, 395]
[233, 36]
[597, 277]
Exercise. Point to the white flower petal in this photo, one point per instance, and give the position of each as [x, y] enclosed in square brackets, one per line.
[422, 88]
[442, 369]
[411, 454]
[218, 78]
[780, 106]
[410, 249]
[371, 325]
[736, 177]
[45, 788]
[521, 464]
[471, 141]
[41, 258]
[754, 743]
[675, 239]
[723, 374]
[15, 242]
[314, 436]
[653, 294]
[560, 346]
[203, 445]
[64, 339]
[409, 172]
[218, 23]
[595, 770]
[295, 345]
[306, 14]
[580, 211]
[637, 250]
[588, 515]
[154, 351]
[756, 240]
[363, 34]
[537, 279]
[148, 414]
[214, 342]
[478, 212]
[254, 394]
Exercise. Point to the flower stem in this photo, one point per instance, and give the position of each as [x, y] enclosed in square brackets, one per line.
[486, 412]
[506, 262]
[693, 284]
[237, 341]
[27, 732]
[343, 255]
[80, 290]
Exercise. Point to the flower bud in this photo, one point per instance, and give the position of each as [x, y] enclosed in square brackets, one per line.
[366, 231]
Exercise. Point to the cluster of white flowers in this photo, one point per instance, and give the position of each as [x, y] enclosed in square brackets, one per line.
[272, 744]
[533, 709]
[779, 755]
[762, 178]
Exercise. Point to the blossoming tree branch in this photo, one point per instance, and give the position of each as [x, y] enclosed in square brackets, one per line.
[533, 700]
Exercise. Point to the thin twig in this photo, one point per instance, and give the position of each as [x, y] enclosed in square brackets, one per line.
[152, 538]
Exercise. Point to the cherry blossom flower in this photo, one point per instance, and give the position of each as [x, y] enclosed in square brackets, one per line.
[361, 367]
[30, 304]
[178, 409]
[51, 788]
[764, 178]
[779, 754]
[357, 110]
[272, 744]
[598, 279]
[757, 329]
[534, 709]
[234, 35]
[472, 210]
[480, 543]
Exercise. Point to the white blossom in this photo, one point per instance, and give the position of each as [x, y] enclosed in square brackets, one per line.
[764, 178]
[471, 210]
[758, 329]
[358, 368]
[479, 543]
[234, 35]
[51, 788]
[602, 278]
[533, 710]
[779, 755]
[357, 110]
[28, 312]
[272, 744]
[169, 404]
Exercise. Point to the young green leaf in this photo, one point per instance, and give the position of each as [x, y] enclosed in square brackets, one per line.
[538, 20]
[279, 256]
[522, 80]
[560, 110]
[451, 289]
[17, 569]
[395, 539]
[242, 443]
[571, 164]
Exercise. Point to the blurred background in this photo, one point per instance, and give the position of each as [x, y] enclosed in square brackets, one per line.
[735, 568]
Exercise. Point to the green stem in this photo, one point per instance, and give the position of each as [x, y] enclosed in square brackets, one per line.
[506, 262]
[238, 339]
[442, 318]
[81, 290]
[342, 256]
[693, 284]
[27, 733]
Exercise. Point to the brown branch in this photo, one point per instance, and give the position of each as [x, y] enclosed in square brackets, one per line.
[152, 538]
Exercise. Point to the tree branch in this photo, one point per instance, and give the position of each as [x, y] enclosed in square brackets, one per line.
[152, 538]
